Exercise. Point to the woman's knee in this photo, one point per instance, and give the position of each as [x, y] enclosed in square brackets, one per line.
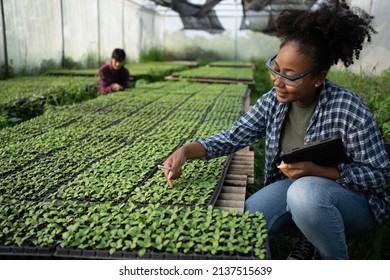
[298, 192]
[305, 194]
[251, 204]
[270, 198]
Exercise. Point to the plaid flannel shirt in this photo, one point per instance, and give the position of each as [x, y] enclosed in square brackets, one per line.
[339, 112]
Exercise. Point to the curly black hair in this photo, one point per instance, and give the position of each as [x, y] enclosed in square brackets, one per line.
[328, 34]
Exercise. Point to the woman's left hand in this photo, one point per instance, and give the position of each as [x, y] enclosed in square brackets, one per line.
[308, 168]
[297, 169]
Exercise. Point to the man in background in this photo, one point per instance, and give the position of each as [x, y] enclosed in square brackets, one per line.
[113, 76]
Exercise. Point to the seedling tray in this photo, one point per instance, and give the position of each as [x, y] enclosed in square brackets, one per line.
[25, 252]
[211, 80]
[217, 191]
[105, 255]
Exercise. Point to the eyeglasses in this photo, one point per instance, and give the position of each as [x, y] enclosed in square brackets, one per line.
[292, 81]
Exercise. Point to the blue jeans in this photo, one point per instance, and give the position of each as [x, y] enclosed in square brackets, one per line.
[319, 208]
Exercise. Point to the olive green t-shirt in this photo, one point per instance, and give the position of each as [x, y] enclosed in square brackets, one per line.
[295, 125]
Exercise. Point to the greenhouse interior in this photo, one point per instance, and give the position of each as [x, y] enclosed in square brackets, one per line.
[73, 184]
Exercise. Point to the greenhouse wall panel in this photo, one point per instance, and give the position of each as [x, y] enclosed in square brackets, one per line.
[81, 29]
[85, 32]
[149, 24]
[111, 26]
[131, 30]
[33, 30]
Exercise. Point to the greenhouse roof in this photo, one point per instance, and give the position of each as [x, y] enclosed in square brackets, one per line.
[256, 15]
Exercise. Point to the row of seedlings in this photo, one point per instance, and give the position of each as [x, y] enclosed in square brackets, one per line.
[151, 71]
[25, 97]
[216, 74]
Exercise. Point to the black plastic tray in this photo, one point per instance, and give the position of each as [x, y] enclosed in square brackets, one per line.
[26, 252]
[120, 255]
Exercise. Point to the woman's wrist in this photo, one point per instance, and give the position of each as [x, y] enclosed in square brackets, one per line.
[330, 172]
[194, 150]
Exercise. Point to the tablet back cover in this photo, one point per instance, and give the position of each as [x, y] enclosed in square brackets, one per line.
[326, 152]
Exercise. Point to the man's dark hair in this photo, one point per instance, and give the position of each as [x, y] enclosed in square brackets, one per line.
[119, 55]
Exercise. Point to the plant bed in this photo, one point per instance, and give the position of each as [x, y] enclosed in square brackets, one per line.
[157, 232]
[25, 98]
[82, 164]
[211, 80]
[215, 74]
[200, 188]
[32, 229]
[151, 71]
[238, 64]
[65, 157]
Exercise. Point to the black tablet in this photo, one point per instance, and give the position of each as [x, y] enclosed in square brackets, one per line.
[326, 152]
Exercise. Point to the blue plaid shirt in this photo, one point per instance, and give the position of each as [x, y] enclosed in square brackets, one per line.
[339, 112]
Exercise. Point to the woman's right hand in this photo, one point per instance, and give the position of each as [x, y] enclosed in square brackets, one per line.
[175, 162]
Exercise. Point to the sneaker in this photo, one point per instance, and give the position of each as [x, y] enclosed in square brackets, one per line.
[303, 250]
[316, 255]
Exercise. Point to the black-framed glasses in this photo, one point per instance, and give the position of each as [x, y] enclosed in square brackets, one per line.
[292, 81]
